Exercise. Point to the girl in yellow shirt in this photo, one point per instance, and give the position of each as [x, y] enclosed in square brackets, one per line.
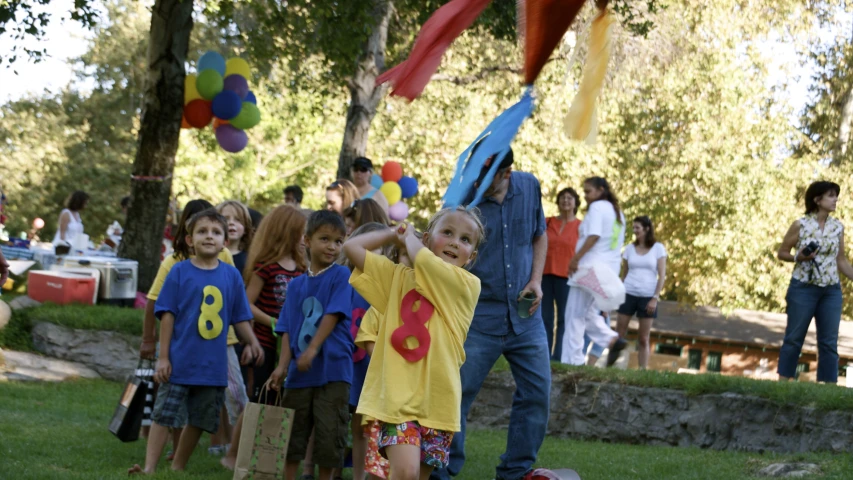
[413, 386]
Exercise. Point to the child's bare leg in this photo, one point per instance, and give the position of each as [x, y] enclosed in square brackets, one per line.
[326, 473]
[189, 440]
[230, 458]
[405, 461]
[156, 441]
[290, 470]
[359, 447]
[308, 463]
[221, 436]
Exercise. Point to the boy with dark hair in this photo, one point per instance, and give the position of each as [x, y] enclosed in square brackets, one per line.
[315, 331]
[200, 298]
[293, 195]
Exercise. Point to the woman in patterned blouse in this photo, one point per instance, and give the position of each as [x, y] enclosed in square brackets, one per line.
[815, 289]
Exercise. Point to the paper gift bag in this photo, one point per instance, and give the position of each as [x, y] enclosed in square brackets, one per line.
[127, 418]
[263, 442]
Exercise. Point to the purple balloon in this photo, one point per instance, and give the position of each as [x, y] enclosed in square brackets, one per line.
[231, 138]
[237, 84]
[398, 212]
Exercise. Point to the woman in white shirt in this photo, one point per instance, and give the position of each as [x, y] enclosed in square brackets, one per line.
[601, 236]
[70, 223]
[643, 275]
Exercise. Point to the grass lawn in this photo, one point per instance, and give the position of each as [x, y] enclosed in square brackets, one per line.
[60, 431]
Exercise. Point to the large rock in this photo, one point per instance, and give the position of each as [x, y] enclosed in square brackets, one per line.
[23, 301]
[113, 355]
[32, 367]
[653, 416]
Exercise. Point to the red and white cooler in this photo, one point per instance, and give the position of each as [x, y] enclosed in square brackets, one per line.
[61, 287]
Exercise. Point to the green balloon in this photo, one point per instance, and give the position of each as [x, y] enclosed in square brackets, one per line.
[248, 117]
[208, 83]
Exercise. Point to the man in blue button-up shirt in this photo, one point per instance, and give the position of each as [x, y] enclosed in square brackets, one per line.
[510, 263]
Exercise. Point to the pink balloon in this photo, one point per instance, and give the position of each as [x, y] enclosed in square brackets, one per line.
[231, 138]
[38, 223]
[398, 212]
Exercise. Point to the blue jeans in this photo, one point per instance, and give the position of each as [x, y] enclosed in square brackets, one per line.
[806, 301]
[529, 361]
[554, 289]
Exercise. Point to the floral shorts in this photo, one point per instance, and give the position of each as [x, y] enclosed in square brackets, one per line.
[435, 444]
[374, 463]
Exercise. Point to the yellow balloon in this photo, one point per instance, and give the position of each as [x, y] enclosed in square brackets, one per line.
[190, 91]
[237, 66]
[392, 191]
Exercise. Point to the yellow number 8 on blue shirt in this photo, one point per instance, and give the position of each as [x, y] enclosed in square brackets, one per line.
[209, 322]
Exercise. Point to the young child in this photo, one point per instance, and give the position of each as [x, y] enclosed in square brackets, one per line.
[240, 230]
[201, 297]
[413, 386]
[375, 465]
[276, 258]
[182, 251]
[315, 332]
[360, 358]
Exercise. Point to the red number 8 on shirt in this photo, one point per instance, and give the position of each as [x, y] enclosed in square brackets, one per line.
[413, 327]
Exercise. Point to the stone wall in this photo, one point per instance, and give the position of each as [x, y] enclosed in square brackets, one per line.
[113, 355]
[653, 416]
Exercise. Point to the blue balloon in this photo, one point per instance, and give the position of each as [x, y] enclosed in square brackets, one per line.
[213, 61]
[376, 181]
[226, 105]
[250, 97]
[409, 186]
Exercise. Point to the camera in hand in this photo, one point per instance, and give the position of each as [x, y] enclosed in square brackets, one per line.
[810, 249]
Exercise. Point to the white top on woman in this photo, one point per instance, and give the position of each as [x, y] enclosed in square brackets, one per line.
[642, 275]
[600, 220]
[74, 228]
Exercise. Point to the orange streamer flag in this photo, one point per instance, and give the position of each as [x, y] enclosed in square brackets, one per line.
[580, 123]
[409, 78]
[545, 22]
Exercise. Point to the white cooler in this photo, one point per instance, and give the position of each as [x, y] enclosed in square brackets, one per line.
[118, 277]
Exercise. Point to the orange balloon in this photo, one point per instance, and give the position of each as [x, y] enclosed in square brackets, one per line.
[218, 121]
[392, 171]
[184, 123]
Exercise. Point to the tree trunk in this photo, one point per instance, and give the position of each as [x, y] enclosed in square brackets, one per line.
[842, 139]
[151, 183]
[364, 93]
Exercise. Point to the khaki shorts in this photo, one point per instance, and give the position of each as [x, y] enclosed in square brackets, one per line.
[325, 410]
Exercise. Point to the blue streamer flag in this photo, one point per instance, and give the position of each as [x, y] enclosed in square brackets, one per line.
[495, 140]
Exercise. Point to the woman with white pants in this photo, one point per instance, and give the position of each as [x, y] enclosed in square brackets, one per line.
[601, 236]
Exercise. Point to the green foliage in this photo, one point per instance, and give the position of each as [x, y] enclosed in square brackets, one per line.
[23, 20]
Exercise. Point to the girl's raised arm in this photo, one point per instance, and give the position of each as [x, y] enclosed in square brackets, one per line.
[356, 248]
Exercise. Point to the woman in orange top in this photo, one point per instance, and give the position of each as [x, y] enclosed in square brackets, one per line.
[562, 233]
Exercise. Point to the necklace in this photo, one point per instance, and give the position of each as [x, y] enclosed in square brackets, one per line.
[312, 274]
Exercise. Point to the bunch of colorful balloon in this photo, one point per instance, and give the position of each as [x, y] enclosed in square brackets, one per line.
[396, 187]
[220, 92]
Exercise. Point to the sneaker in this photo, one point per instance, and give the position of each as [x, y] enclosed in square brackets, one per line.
[540, 474]
[218, 450]
[613, 354]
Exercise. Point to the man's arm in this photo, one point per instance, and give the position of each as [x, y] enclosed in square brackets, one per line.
[540, 251]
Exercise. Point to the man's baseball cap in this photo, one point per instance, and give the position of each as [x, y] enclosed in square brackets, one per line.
[363, 162]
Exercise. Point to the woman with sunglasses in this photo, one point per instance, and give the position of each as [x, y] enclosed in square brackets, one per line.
[362, 171]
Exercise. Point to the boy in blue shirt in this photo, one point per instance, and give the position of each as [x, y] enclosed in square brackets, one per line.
[315, 331]
[200, 298]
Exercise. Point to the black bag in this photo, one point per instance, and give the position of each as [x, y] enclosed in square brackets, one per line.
[127, 418]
